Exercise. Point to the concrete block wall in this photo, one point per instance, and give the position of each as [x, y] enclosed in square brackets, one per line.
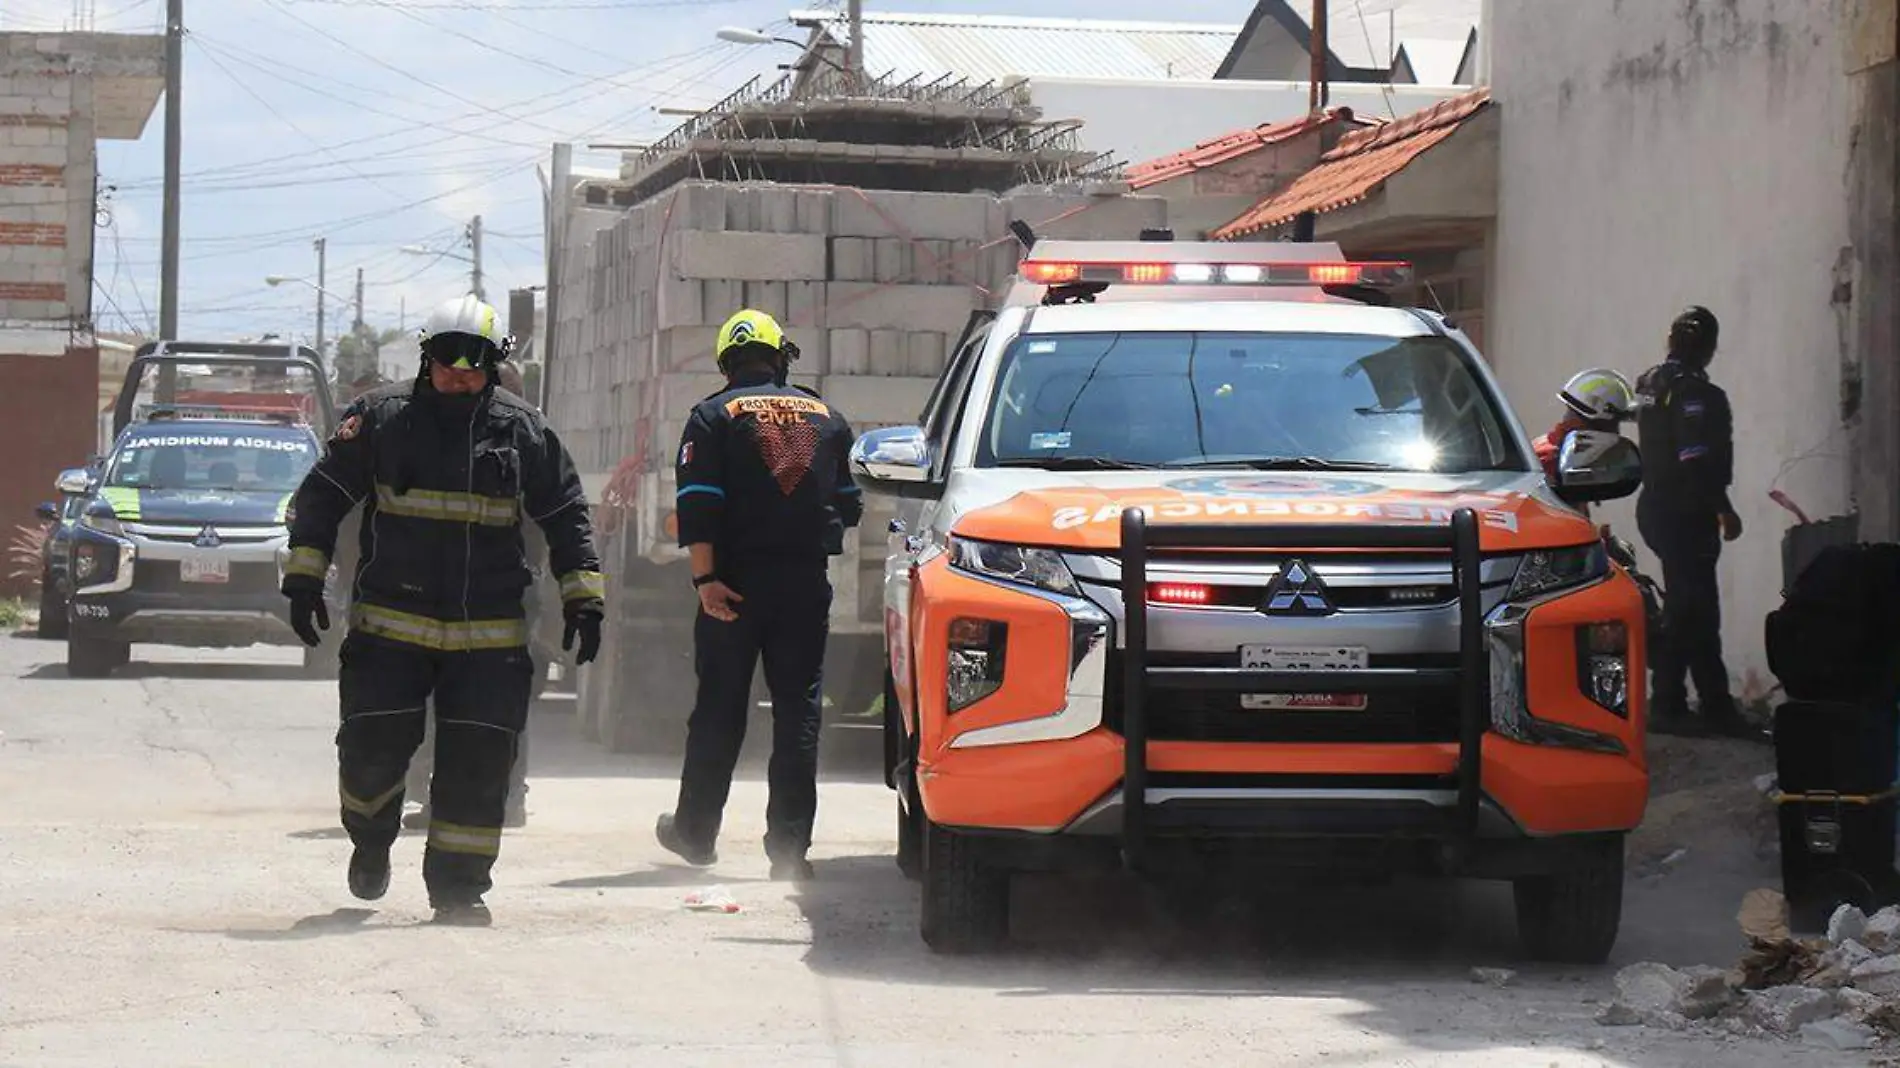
[874, 286]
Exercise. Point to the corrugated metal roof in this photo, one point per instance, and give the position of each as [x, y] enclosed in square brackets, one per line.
[1366, 34]
[1435, 62]
[1359, 165]
[992, 48]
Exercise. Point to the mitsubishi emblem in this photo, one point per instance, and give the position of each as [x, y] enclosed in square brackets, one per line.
[208, 538]
[1296, 591]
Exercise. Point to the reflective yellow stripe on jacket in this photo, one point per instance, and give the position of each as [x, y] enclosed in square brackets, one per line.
[449, 507]
[442, 635]
[308, 562]
[583, 586]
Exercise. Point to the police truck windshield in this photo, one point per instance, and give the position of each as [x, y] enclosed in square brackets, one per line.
[247, 459]
[1271, 401]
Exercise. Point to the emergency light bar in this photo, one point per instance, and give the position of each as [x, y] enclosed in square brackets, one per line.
[211, 413]
[1059, 272]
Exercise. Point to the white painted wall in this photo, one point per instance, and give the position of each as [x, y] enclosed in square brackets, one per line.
[1144, 120]
[1658, 153]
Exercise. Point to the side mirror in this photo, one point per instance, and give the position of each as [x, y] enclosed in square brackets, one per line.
[894, 461]
[47, 511]
[1595, 465]
[74, 481]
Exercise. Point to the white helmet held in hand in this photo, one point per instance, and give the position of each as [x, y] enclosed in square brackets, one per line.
[1599, 395]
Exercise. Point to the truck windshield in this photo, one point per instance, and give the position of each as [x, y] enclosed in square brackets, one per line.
[251, 459]
[1276, 401]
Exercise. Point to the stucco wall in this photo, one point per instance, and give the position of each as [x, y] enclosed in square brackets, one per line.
[1658, 153]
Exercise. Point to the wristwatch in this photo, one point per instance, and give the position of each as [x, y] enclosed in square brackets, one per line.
[704, 580]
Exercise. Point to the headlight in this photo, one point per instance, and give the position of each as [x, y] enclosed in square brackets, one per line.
[1553, 570]
[103, 522]
[1041, 568]
[1510, 705]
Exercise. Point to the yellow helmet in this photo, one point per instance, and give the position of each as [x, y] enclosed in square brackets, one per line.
[751, 327]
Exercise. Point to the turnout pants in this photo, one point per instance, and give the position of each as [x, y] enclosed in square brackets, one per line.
[422, 766]
[1688, 546]
[481, 707]
[784, 619]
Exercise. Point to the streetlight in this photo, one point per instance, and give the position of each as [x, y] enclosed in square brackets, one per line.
[741, 35]
[474, 261]
[274, 280]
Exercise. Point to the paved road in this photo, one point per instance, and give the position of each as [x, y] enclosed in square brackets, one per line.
[173, 895]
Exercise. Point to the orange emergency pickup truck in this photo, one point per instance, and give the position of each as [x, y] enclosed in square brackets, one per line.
[1211, 551]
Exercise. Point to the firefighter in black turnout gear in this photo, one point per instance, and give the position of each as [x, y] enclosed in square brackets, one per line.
[447, 470]
[764, 499]
[1687, 438]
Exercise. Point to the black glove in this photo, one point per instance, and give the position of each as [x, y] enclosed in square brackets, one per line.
[583, 620]
[306, 606]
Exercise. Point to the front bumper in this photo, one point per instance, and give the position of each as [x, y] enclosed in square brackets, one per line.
[1457, 787]
[144, 599]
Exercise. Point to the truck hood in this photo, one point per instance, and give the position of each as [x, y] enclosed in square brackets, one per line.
[1516, 510]
[198, 507]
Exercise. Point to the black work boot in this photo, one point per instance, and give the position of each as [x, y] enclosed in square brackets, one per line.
[675, 842]
[791, 869]
[463, 914]
[369, 872]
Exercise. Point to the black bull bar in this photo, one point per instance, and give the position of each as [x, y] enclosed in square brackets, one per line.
[1471, 678]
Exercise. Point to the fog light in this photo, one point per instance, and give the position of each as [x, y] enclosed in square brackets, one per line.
[976, 660]
[1603, 665]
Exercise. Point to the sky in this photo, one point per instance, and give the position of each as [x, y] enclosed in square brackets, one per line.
[383, 126]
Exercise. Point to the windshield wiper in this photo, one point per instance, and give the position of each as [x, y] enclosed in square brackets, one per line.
[1076, 463]
[1287, 463]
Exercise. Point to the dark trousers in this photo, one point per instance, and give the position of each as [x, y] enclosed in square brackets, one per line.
[785, 618]
[1688, 544]
[481, 707]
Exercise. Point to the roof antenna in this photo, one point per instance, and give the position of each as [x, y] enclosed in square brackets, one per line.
[1437, 305]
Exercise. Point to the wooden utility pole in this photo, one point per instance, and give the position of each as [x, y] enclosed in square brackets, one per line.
[855, 55]
[358, 324]
[1321, 91]
[321, 293]
[174, 133]
[475, 262]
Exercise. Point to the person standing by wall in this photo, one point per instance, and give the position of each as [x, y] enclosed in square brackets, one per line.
[1686, 430]
[765, 495]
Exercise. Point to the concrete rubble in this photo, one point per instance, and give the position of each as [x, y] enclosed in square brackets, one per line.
[1841, 992]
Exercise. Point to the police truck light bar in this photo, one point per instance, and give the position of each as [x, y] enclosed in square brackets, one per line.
[1119, 272]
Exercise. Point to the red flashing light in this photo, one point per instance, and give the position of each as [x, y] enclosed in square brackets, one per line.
[1045, 273]
[1335, 274]
[1183, 593]
[1217, 273]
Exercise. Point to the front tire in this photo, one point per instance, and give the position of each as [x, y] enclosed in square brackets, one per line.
[1572, 916]
[92, 658]
[52, 625]
[965, 904]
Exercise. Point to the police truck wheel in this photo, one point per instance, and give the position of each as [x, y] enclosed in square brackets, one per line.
[910, 841]
[1572, 916]
[965, 904]
[52, 625]
[90, 658]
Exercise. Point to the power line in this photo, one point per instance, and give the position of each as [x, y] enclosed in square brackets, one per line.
[526, 5]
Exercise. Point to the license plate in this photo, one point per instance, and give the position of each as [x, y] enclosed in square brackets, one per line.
[204, 569]
[1316, 659]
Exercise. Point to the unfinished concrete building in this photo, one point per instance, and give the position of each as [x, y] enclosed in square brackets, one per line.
[872, 224]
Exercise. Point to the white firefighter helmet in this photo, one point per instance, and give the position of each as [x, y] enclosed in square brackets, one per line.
[465, 333]
[1600, 395]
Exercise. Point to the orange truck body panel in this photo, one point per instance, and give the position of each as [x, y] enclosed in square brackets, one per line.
[1044, 786]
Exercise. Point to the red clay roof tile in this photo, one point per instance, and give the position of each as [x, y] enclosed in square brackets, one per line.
[1358, 165]
[1230, 147]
